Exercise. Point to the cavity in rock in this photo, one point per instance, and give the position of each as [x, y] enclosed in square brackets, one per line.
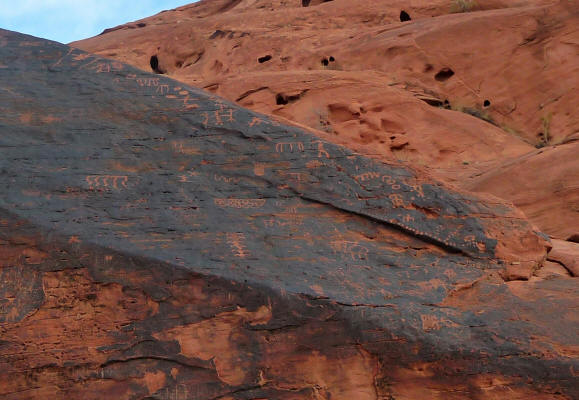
[264, 59]
[444, 74]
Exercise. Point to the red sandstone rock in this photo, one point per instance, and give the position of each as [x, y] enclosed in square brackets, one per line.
[543, 183]
[566, 254]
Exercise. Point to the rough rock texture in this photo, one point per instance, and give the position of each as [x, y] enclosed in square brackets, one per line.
[157, 242]
[358, 76]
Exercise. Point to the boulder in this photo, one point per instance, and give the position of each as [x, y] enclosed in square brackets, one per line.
[160, 242]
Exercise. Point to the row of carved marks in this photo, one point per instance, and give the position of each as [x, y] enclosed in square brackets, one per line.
[299, 147]
[237, 243]
[239, 203]
[109, 182]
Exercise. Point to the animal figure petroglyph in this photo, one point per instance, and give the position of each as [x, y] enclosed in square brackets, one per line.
[355, 250]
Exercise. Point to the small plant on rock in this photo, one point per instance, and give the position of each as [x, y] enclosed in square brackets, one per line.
[545, 135]
[460, 6]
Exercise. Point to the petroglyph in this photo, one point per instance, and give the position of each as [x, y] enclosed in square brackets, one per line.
[289, 218]
[236, 241]
[106, 67]
[418, 190]
[322, 151]
[314, 164]
[259, 169]
[397, 201]
[367, 176]
[115, 182]
[186, 177]
[289, 147]
[255, 121]
[226, 179]
[352, 249]
[295, 177]
[218, 117]
[162, 89]
[184, 147]
[147, 82]
[239, 203]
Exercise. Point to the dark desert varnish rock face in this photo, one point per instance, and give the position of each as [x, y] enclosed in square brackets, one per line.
[160, 242]
[382, 95]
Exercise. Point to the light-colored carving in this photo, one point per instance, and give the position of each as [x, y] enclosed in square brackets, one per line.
[289, 147]
[236, 241]
[322, 151]
[115, 182]
[355, 250]
[239, 203]
[367, 176]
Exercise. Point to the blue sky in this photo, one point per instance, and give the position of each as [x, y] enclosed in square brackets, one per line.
[69, 20]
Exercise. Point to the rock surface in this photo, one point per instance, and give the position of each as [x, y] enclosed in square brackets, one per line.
[543, 183]
[158, 242]
[566, 254]
[422, 91]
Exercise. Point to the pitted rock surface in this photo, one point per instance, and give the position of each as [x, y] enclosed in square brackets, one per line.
[161, 242]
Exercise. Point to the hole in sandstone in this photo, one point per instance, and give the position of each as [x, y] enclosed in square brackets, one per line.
[217, 34]
[141, 25]
[428, 68]
[433, 102]
[404, 16]
[305, 3]
[486, 103]
[154, 61]
[280, 99]
[332, 59]
[264, 59]
[444, 74]
[325, 62]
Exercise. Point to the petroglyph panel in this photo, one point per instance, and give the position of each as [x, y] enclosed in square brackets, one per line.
[173, 245]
